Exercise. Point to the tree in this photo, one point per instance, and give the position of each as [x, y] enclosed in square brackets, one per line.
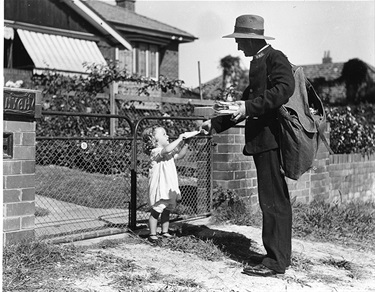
[357, 80]
[232, 74]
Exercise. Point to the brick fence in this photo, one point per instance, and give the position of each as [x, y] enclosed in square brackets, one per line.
[19, 182]
[339, 177]
[21, 107]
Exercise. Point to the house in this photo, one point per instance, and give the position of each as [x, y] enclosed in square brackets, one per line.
[324, 78]
[335, 86]
[61, 35]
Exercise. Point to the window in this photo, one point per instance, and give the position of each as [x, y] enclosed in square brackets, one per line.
[125, 59]
[140, 60]
[146, 60]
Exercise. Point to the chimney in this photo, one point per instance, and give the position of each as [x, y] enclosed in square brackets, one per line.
[127, 4]
[327, 59]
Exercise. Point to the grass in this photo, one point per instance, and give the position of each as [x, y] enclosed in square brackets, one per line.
[27, 263]
[42, 266]
[39, 266]
[204, 249]
[350, 224]
[87, 189]
[82, 188]
[355, 272]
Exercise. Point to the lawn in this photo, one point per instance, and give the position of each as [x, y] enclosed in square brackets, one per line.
[94, 190]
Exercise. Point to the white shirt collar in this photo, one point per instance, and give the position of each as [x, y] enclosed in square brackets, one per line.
[262, 48]
[252, 57]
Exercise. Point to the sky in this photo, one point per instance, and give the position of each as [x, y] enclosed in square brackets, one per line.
[303, 30]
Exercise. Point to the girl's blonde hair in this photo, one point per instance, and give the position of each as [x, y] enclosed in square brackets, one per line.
[149, 141]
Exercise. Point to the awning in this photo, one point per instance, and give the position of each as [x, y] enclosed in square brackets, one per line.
[60, 53]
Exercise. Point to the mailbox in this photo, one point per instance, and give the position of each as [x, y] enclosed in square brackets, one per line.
[22, 104]
[19, 105]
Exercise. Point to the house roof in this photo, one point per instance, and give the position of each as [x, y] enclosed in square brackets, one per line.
[125, 19]
[328, 71]
[97, 21]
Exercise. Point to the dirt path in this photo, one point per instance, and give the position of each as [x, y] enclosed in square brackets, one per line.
[331, 268]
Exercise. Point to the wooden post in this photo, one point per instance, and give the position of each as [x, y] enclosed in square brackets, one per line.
[199, 76]
[113, 89]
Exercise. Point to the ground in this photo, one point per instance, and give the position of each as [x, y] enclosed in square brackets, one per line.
[317, 266]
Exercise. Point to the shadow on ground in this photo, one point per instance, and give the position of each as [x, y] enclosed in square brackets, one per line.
[237, 246]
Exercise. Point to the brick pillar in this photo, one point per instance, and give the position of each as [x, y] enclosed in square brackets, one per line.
[231, 169]
[20, 109]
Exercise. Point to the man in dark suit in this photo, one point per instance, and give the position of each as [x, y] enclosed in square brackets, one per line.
[271, 83]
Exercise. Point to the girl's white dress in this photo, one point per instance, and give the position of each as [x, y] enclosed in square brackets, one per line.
[163, 179]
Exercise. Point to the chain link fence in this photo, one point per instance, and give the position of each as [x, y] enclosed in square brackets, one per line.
[84, 173]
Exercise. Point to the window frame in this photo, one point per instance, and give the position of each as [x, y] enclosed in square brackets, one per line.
[151, 52]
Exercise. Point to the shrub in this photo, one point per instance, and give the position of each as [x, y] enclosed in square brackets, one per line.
[78, 94]
[352, 129]
[229, 207]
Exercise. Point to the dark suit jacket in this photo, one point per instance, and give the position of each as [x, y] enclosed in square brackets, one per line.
[271, 83]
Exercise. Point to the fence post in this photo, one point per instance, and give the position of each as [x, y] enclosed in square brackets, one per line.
[21, 108]
[113, 90]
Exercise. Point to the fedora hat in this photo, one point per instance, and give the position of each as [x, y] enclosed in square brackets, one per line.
[249, 27]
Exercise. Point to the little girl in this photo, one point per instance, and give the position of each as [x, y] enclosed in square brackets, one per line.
[163, 181]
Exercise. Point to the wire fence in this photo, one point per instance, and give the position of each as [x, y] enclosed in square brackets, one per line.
[84, 174]
[81, 185]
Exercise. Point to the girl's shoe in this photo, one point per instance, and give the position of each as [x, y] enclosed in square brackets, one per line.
[153, 238]
[166, 235]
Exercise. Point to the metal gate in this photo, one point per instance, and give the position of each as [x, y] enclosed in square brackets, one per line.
[89, 184]
[194, 170]
[82, 182]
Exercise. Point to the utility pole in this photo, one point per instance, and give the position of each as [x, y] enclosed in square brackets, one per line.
[199, 76]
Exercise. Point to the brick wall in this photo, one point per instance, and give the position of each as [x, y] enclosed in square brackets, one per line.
[19, 183]
[352, 177]
[231, 169]
[332, 177]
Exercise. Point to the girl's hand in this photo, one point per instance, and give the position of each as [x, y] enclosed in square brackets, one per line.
[182, 136]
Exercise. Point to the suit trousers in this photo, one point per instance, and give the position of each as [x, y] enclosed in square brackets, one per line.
[275, 204]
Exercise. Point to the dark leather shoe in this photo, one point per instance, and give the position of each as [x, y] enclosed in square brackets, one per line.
[260, 270]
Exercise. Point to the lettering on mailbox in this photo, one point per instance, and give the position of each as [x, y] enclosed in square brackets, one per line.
[19, 103]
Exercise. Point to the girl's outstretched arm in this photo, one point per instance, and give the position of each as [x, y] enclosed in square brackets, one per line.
[171, 146]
